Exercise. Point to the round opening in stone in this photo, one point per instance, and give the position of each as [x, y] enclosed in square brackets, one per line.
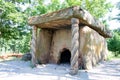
[65, 56]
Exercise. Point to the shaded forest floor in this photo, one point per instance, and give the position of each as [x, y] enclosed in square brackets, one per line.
[21, 70]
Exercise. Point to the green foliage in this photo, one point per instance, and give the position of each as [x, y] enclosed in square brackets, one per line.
[24, 45]
[97, 8]
[73, 3]
[111, 55]
[10, 19]
[114, 42]
[14, 31]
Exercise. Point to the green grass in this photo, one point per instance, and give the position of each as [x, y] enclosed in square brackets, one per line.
[111, 56]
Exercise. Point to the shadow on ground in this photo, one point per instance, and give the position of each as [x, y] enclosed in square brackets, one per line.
[22, 70]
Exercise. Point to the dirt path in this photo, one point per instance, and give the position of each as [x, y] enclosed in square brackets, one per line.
[20, 70]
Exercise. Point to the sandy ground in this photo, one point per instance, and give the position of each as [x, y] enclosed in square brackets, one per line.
[21, 70]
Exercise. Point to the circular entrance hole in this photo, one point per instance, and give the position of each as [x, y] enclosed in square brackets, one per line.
[65, 56]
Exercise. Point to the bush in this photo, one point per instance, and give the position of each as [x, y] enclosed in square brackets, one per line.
[114, 43]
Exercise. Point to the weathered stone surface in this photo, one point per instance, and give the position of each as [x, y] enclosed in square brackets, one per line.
[93, 47]
[43, 45]
[61, 39]
[50, 44]
[55, 36]
[34, 45]
[61, 19]
[75, 46]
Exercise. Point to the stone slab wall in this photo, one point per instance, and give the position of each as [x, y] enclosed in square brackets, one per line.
[93, 47]
[44, 39]
[61, 39]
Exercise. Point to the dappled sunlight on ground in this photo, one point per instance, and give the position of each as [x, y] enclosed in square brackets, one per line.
[20, 70]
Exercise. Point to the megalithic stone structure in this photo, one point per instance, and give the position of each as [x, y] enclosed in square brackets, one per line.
[71, 30]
